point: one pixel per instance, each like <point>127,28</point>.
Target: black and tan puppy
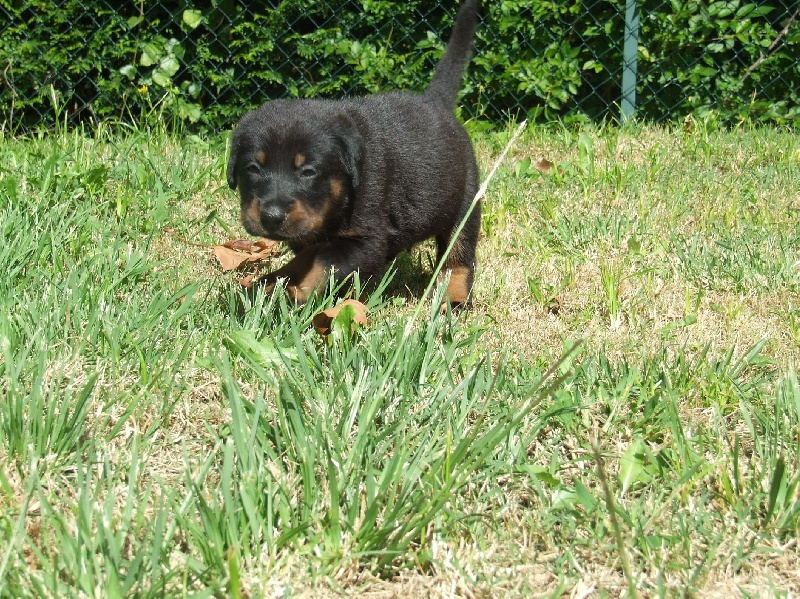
<point>350,184</point>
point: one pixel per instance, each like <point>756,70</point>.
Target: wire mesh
<point>204,63</point>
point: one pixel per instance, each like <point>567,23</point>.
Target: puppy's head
<point>296,165</point>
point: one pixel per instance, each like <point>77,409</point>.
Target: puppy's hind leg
<point>459,264</point>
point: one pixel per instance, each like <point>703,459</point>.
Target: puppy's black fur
<point>349,184</point>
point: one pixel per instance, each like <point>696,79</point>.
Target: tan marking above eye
<point>261,157</point>
<point>299,159</point>
<point>351,234</point>
<point>336,189</point>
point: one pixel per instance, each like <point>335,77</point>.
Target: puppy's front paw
<point>301,278</point>
<point>267,283</point>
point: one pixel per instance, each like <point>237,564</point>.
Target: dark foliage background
<point>204,63</point>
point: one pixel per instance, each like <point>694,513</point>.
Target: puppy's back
<point>422,166</point>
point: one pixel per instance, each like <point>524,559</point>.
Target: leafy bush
<point>707,57</point>
<point>208,61</point>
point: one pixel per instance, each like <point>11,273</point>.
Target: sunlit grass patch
<point>163,431</point>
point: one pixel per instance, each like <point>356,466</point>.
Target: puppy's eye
<point>253,168</point>
<point>308,172</point>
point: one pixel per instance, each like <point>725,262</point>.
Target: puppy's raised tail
<point>446,81</point>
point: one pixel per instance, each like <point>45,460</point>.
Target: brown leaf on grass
<point>543,165</point>
<point>251,246</point>
<point>323,322</point>
<point>229,259</point>
<point>233,254</point>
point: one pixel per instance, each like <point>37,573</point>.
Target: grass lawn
<point>163,433</point>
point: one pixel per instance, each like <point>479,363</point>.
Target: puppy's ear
<point>352,148</point>
<point>232,160</point>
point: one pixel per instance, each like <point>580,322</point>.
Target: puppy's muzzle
<point>273,215</point>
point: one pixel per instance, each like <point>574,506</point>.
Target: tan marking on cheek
<point>458,287</point>
<point>261,157</point>
<point>337,188</point>
<point>303,218</point>
<point>333,201</point>
<point>297,213</point>
<point>299,159</point>
<point>252,215</point>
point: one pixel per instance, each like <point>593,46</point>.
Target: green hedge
<point>206,62</point>
<point>700,54</point>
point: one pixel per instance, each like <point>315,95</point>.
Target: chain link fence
<point>204,63</point>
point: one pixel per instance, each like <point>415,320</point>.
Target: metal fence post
<point>629,55</point>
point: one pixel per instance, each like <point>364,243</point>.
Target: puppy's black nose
<point>272,217</point>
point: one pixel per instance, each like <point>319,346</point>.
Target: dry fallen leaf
<point>543,166</point>
<point>251,246</point>
<point>233,254</point>
<point>323,322</point>
<point>228,258</point>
